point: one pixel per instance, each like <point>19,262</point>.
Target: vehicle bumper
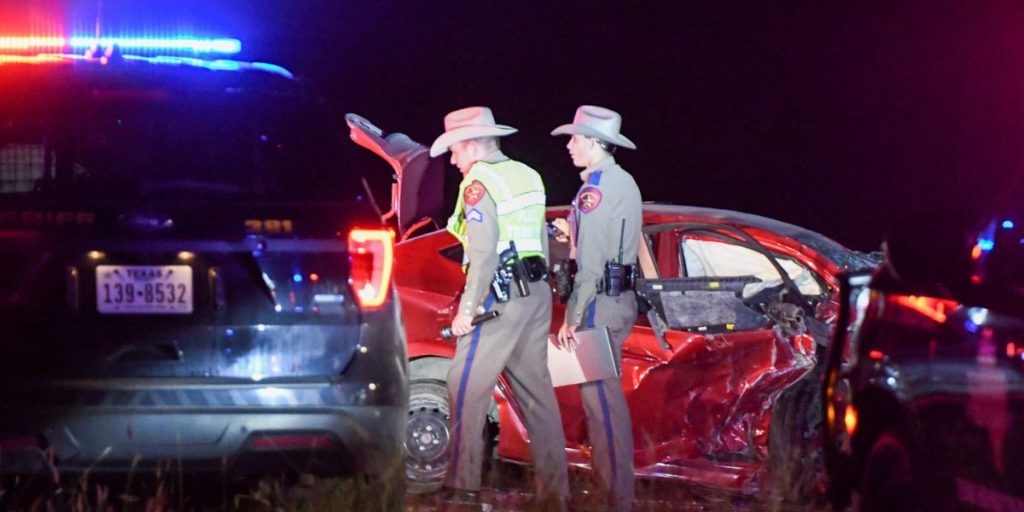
<point>322,429</point>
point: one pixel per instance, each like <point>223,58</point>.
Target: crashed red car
<point>719,371</point>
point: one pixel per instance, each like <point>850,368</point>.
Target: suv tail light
<point>371,254</point>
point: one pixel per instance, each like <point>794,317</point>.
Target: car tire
<point>887,483</point>
<point>427,437</point>
<point>795,450</point>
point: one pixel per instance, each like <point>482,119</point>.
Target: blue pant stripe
<point>605,411</point>
<point>608,431</point>
<point>462,388</point>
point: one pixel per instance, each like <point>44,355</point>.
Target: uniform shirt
<point>482,234</point>
<point>608,196</point>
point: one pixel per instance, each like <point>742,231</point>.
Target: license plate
<point>144,289</point>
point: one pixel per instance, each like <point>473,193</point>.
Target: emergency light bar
<point>31,43</point>
<point>223,46</point>
<point>181,44</point>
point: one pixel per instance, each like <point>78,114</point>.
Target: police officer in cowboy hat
<point>501,201</point>
<point>605,221</point>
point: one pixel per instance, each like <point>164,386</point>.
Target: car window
<point>116,144</point>
<point>710,258</point>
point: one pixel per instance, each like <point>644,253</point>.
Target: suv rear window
<point>110,142</point>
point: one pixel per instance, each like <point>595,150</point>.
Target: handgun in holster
<point>510,270</point>
<point>564,272</point>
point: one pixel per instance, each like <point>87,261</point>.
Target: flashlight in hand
<point>446,331</point>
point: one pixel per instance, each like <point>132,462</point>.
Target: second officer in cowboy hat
<point>500,205</point>
<point>605,221</point>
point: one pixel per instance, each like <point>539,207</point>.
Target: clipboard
<point>591,360</point>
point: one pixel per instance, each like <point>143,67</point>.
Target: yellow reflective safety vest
<point>518,193</point>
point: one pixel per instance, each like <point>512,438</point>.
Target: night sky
<point>843,118</point>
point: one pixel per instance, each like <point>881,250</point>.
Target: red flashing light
<point>876,355</point>
<point>35,44</point>
<point>930,307</point>
<point>371,255</point>
<point>850,420</point>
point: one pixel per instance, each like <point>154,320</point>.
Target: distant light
<point>314,277</point>
<point>970,326</point>
<point>186,255</point>
<point>986,244</point>
<point>978,315</point>
<point>297,278</point>
<point>299,309</point>
<point>278,308</point>
<point>261,327</point>
<point>96,255</point>
<point>1008,224</point>
<point>229,332</point>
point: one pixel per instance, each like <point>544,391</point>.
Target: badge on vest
<point>473,193</point>
<point>589,199</point>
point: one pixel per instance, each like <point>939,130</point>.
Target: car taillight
<point>371,254</point>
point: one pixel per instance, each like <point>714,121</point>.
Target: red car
<point>719,371</point>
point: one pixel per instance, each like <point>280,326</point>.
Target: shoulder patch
<point>473,193</point>
<point>589,199</point>
<point>594,178</point>
<point>474,215</point>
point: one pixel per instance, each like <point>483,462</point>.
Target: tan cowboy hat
<point>465,124</point>
<point>598,122</point>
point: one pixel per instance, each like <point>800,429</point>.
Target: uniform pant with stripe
<point>514,343</point>
<point>608,421</point>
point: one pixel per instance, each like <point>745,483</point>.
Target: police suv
<point>188,273</point>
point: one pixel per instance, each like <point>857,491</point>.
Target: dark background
<point>845,118</point>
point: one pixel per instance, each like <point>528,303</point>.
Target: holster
<point>564,273</point>
<point>534,269</point>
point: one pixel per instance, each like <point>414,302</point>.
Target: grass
<point>508,487</point>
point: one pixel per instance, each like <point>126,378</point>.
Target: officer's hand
<point>462,325</point>
<point>567,337</point>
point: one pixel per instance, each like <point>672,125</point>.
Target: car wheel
<point>427,437</point>
<point>887,483</point>
<point>796,459</point>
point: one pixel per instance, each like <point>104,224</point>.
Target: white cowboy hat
<point>465,124</point>
<point>598,122</point>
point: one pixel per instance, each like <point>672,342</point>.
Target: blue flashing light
<point>297,278</point>
<point>225,46</point>
<point>1008,224</point>
<point>970,326</point>
<point>986,244</point>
